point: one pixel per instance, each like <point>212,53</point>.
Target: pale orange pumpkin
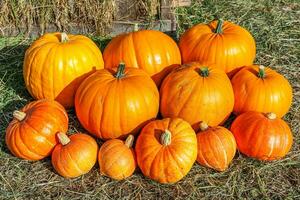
<point>117,158</point>
<point>261,89</point>
<point>166,149</point>
<point>56,63</point>
<point>74,155</point>
<point>216,147</point>
<point>115,103</point>
<point>150,50</point>
<point>226,44</point>
<point>31,133</point>
<point>197,92</point>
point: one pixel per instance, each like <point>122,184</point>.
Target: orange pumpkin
<point>112,104</point>
<point>262,136</point>
<point>227,45</point>
<point>31,134</point>
<point>197,92</point>
<point>74,155</point>
<point>117,158</point>
<point>216,147</point>
<point>166,149</point>
<point>57,63</point>
<point>261,89</point>
<point>150,50</point>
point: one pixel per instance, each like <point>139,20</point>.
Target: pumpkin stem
<point>120,70</point>
<point>219,26</point>
<point>204,72</point>
<point>19,115</point>
<point>165,138</point>
<point>63,138</point>
<point>129,141</point>
<point>271,115</point>
<point>135,27</point>
<point>203,126</point>
<point>261,72</point>
<point>64,38</point>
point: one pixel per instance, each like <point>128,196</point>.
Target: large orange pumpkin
<point>31,134</point>
<point>197,92</point>
<point>166,149</point>
<point>150,50</point>
<point>117,158</point>
<point>262,136</point>
<point>56,63</point>
<point>261,89</point>
<point>74,155</point>
<point>227,45</point>
<point>115,103</point>
<point>216,147</point>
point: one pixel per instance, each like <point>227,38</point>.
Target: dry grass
<point>275,26</point>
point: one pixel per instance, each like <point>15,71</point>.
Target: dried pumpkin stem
<point>63,138</point>
<point>219,26</point>
<point>64,38</point>
<point>165,138</point>
<point>203,126</point>
<point>204,72</point>
<point>129,141</point>
<point>271,115</point>
<point>120,71</point>
<point>261,72</point>
<point>19,115</point>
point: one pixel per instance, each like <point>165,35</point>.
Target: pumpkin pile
<point>195,86</point>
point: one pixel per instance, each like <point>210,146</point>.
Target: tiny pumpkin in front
<point>74,155</point>
<point>31,133</point>
<point>117,158</point>
<point>166,149</point>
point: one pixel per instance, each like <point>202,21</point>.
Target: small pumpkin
<point>197,92</point>
<point>261,89</point>
<point>31,133</point>
<point>56,63</point>
<point>74,155</point>
<point>216,147</point>
<point>226,44</point>
<point>262,136</point>
<point>117,158</point>
<point>150,50</point>
<point>115,103</point>
<point>166,149</point>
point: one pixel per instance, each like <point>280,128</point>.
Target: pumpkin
<point>74,155</point>
<point>261,89</point>
<point>56,63</point>
<point>216,147</point>
<point>150,50</point>
<point>31,133</point>
<point>226,44</point>
<point>197,92</point>
<point>118,102</point>
<point>166,149</point>
<point>117,158</point>
<point>262,136</point>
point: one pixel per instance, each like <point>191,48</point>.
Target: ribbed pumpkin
<point>115,103</point>
<point>117,158</point>
<point>150,50</point>
<point>74,155</point>
<point>197,92</point>
<point>227,45</point>
<point>262,136</point>
<point>216,147</point>
<point>31,134</point>
<point>166,149</point>
<point>261,89</point>
<point>56,63</point>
